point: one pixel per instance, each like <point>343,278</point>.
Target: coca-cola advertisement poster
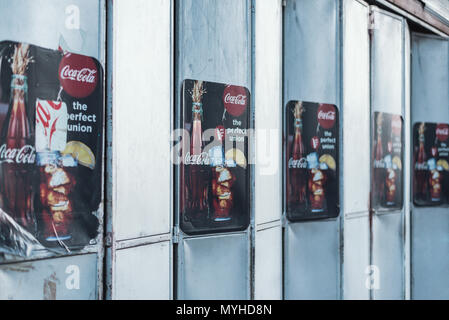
<point>214,171</point>
<point>387,162</point>
<point>311,169</point>
<point>51,124</point>
<point>430,164</point>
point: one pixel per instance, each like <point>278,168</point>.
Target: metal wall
<point>77,26</point>
<point>213,43</point>
<point>139,260</point>
<point>430,225</point>
<point>312,73</point>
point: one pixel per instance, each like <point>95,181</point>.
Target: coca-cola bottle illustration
<point>17,153</point>
<point>379,164</point>
<point>222,182</point>
<point>421,168</point>
<point>435,175</point>
<point>297,166</point>
<point>197,206</point>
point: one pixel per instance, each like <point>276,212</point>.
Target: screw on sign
<point>78,75</point>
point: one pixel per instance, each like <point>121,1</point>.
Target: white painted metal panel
<point>356,257</point>
<point>356,108</point>
<point>68,278</point>
<point>430,226</point>
<point>141,118</point>
<point>216,267</point>
<point>388,256</point>
<point>268,112</point>
<point>75,25</point>
<point>144,272</point>
<point>268,261</point>
<point>311,73</point>
<point>356,151</point>
<point>387,95</point>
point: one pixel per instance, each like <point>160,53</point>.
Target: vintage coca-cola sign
<point>78,75</point>
<point>50,149</point>
<point>387,161</point>
<point>311,184</point>
<point>431,164</point>
<point>213,178</point>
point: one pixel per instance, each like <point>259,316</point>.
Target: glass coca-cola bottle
<point>18,156</point>
<point>198,161</point>
<point>421,168</point>
<point>435,176</point>
<point>297,166</point>
<point>222,181</point>
<point>379,164</point>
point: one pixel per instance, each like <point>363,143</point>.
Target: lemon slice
<point>443,163</point>
<point>329,160</point>
<point>81,152</point>
<point>237,156</point>
<point>397,161</point>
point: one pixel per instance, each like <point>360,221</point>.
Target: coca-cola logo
<point>23,155</point>
<point>78,75</point>
<point>235,100</point>
<point>297,163</point>
<point>442,132</point>
<point>421,166</point>
<point>197,159</point>
<point>327,115</point>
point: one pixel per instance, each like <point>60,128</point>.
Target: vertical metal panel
<point>311,265</point>
<point>268,262</point>
<point>311,51</point>
<point>268,112</point>
<point>387,95</point>
<point>407,160</point>
<point>356,107</point>
<point>356,129</point>
<point>143,272</point>
<point>213,43</point>
<point>268,176</point>
<point>48,23</point>
<point>356,256</point>
<point>140,109</point>
<point>430,236</point>
<point>142,118</point>
<point>67,278</point>
<point>214,267</point>
<point>388,255</point>
<point>311,73</point>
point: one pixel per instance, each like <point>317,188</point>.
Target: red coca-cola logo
<point>78,75</point>
<point>442,132</point>
<point>326,115</point>
<point>235,100</point>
